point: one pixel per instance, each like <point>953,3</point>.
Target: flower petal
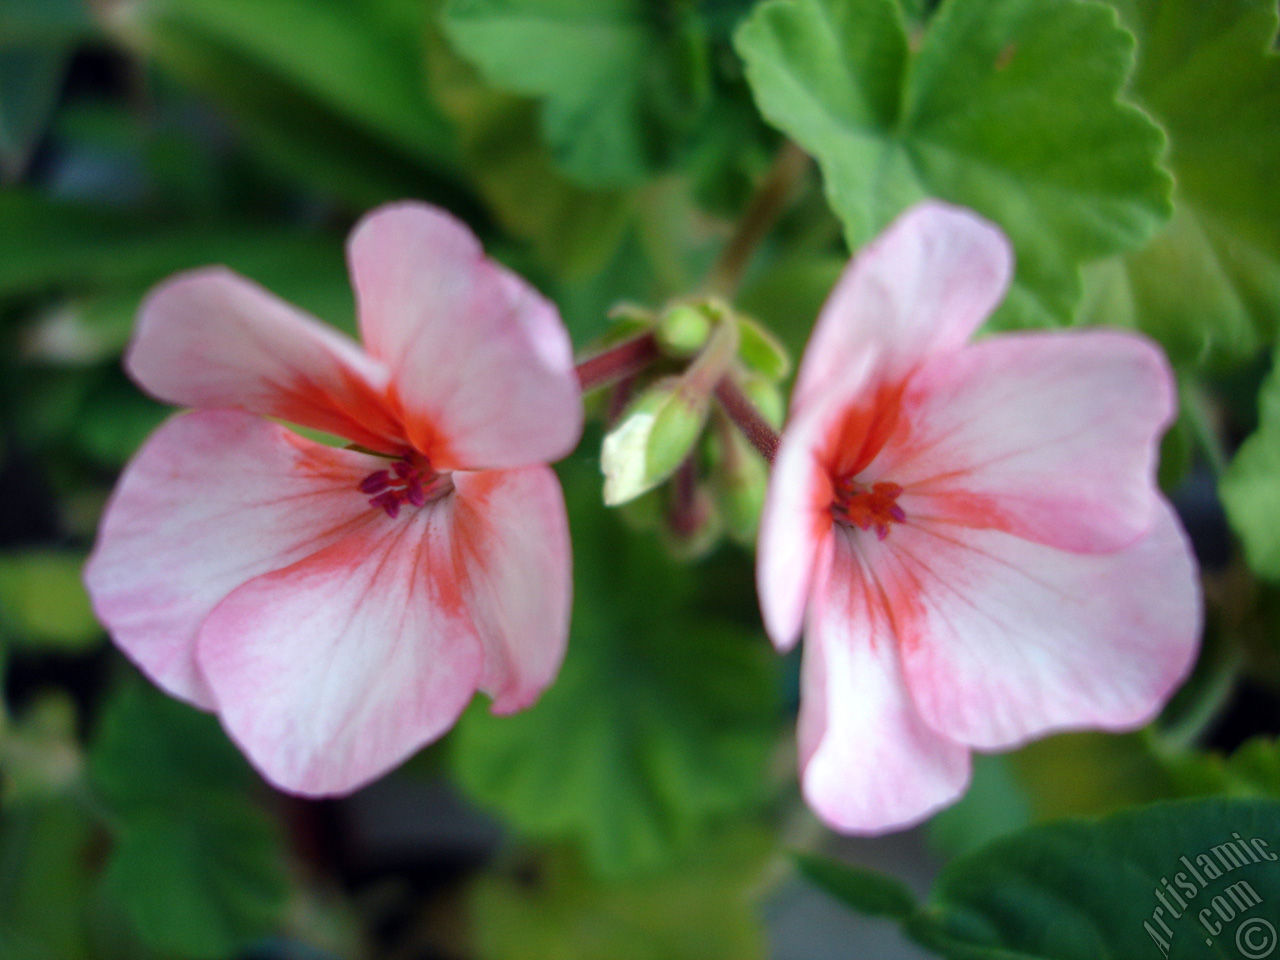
<point>482,363</point>
<point>334,670</point>
<point>1005,640</point>
<point>213,499</point>
<point>795,522</point>
<point>213,339</point>
<point>869,763</point>
<point>1049,436</point>
<point>513,542</point>
<point>921,288</point>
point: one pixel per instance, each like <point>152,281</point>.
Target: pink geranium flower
<point>338,609</point>
<point>969,534</point>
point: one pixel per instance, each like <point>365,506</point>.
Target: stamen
<point>389,501</point>
<point>414,483</point>
<point>375,482</point>
<point>867,508</point>
<point>414,493</point>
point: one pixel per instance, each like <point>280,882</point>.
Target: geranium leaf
<point>1208,286</point>
<point>1008,107</point>
<point>661,722</point>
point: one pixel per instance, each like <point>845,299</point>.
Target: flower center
<point>876,506</point>
<point>409,480</point>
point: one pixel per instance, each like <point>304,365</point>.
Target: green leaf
<point>197,868</point>
<point>30,80</point>
<point>1079,890</point>
<point>867,891</point>
<point>60,245</point>
<point>622,83</point>
<point>44,859</point>
<point>660,724</point>
<point>200,886</point>
<point>1008,107</point>
<point>560,911</point>
<point>39,22</point>
<point>309,141</point>
<point>1208,286</point>
<point>573,229</point>
<point>44,603</point>
<point>1250,487</point>
<point>1170,879</point>
<point>361,60</point>
<point>1253,770</point>
<point>152,752</point>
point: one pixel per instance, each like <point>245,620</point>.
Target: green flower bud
<point>683,330</point>
<point>767,398</point>
<point>761,351</point>
<point>654,436</point>
<point>676,427</point>
<point>741,477</point>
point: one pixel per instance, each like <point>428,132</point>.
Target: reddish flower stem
<point>618,362</point>
<point>767,205</point>
<point>747,418</point>
<point>683,515</point>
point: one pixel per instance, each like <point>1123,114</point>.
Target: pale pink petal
<point>795,522</point>
<point>795,526</point>
<point>869,763</point>
<point>332,671</point>
<point>212,500</point>
<point>212,339</point>
<point>513,544</point>
<point>482,363</point>
<point>1004,639</point>
<point>1050,436</point>
<point>921,288</point>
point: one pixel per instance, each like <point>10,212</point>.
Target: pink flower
<point>335,608</point>
<point>970,534</point>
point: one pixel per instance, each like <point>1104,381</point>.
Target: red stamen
<point>389,501</point>
<point>414,493</point>
<point>414,483</point>
<point>868,508</point>
<point>375,482</point>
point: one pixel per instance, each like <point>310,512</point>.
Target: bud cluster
<point>672,454</point>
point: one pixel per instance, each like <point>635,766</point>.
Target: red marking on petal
<point>862,431</point>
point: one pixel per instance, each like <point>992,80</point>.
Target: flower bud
<point>741,478</point>
<point>651,440</point>
<point>767,398</point>
<point>683,330</point>
<point>761,351</point>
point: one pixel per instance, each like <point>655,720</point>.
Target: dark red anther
<point>388,501</point>
<point>414,493</point>
<point>375,482</point>
<point>409,480</point>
